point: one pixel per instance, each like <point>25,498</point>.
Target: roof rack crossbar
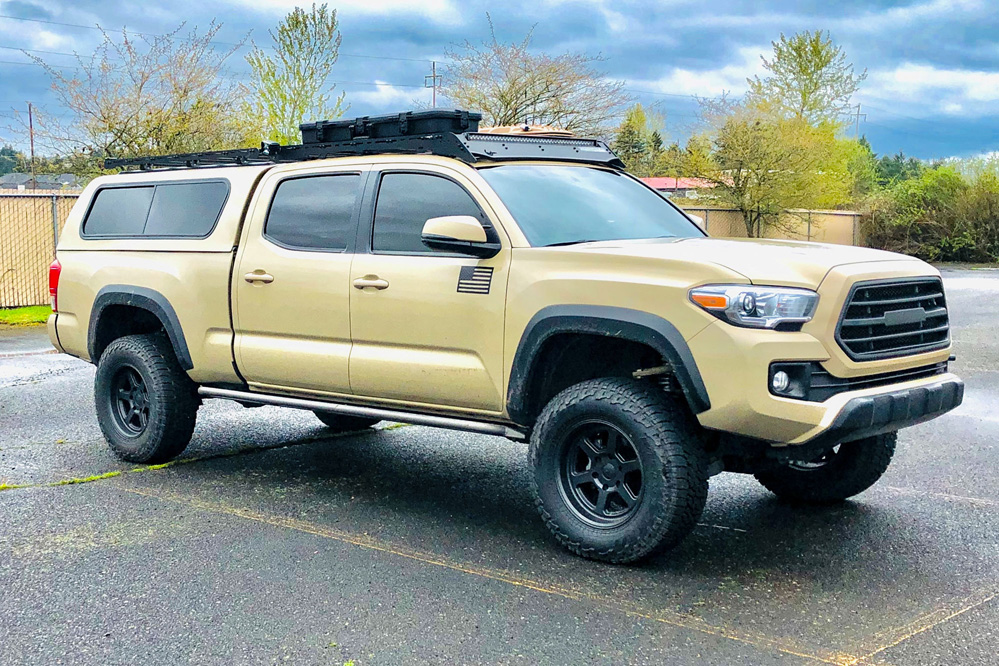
<point>467,146</point>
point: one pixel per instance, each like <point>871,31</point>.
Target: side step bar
<point>367,412</point>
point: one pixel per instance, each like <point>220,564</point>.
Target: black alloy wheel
<point>130,401</point>
<point>601,474</point>
<point>146,404</point>
<point>620,469</point>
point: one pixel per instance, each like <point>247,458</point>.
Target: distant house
<point>686,188</point>
<point>22,181</point>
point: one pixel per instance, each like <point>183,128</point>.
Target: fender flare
<point>145,299</point>
<point>609,321</point>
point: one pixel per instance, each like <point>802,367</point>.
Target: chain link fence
<point>29,227</point>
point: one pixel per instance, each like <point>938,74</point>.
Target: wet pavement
<point>271,541</point>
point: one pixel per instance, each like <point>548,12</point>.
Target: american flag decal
<point>475,279</point>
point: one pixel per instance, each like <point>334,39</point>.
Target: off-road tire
<point>171,399</point>
<point>341,423</point>
<point>665,438</point>
<point>854,468</point>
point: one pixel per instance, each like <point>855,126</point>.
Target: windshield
<point>560,205</point>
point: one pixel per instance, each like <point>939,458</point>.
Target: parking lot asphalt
<point>271,541</point>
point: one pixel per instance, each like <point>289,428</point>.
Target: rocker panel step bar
<point>367,412</point>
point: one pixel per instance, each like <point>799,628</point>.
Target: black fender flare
<point>610,321</point>
<point>146,299</point>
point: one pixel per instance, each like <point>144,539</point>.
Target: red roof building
<point>681,187</point>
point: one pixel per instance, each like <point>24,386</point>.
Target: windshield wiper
<point>604,240</point>
<point>575,242</point>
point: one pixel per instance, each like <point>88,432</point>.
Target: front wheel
<point>619,469</point>
<point>844,471</point>
<point>146,404</point>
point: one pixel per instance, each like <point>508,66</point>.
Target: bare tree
<point>511,85</point>
<point>143,95</point>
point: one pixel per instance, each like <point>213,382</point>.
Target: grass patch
<point>34,314</point>
<point>85,479</point>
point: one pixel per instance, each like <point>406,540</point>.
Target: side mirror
<point>459,233</point>
<point>697,219</point>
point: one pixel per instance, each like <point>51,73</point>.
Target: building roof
<point>42,181</point>
<point>672,183</point>
<point>15,178</point>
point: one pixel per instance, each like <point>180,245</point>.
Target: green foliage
<point>292,86</point>
<point>10,159</point>
<point>764,164</point>
<point>938,215</point>
<point>898,167</point>
<point>863,166</point>
<point>809,79</point>
<point>638,141</point>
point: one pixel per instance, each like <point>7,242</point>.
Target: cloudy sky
<point>933,65</point>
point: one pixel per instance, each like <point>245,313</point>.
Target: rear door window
<point>314,212</point>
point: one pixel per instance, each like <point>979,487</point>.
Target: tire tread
<point>678,443</point>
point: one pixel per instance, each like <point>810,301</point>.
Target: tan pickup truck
<point>415,270</point>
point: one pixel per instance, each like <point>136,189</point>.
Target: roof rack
<point>445,133</point>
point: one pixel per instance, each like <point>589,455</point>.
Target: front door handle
<point>259,276</point>
<point>371,281</point>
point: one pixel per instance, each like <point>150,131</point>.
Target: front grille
<point>888,318</point>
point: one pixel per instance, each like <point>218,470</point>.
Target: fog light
<point>780,381</point>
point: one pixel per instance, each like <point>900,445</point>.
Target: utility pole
<point>433,80</point>
<point>31,134</point>
<point>856,126</point>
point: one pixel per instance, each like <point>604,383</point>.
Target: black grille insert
<point>888,318</point>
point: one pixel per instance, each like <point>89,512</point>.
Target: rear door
<point>292,280</point>
<point>427,326</point>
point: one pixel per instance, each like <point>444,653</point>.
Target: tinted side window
<point>314,212</point>
<point>406,201</point>
<point>186,209</point>
<point>119,211</point>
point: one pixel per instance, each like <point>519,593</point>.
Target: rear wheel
<point>341,423</point>
<point>619,469</point>
<point>841,472</point>
<point>146,404</point>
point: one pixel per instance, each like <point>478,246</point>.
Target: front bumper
<point>886,412</point>
<point>735,366</point>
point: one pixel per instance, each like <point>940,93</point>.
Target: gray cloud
<point>931,59</point>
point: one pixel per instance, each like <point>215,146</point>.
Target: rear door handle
<point>371,281</point>
<point>259,276</point>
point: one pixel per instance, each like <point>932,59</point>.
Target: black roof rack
<point>445,133</point>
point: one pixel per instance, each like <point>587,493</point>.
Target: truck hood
<point>761,261</point>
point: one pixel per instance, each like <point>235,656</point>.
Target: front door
<point>292,281</point>
<point>427,326</point>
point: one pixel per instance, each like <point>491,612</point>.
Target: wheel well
<point>566,359</point>
<point>117,321</point>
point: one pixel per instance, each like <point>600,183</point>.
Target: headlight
<point>783,308</point>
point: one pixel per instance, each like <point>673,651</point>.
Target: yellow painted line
<point>892,637</point>
<point>681,620</point>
